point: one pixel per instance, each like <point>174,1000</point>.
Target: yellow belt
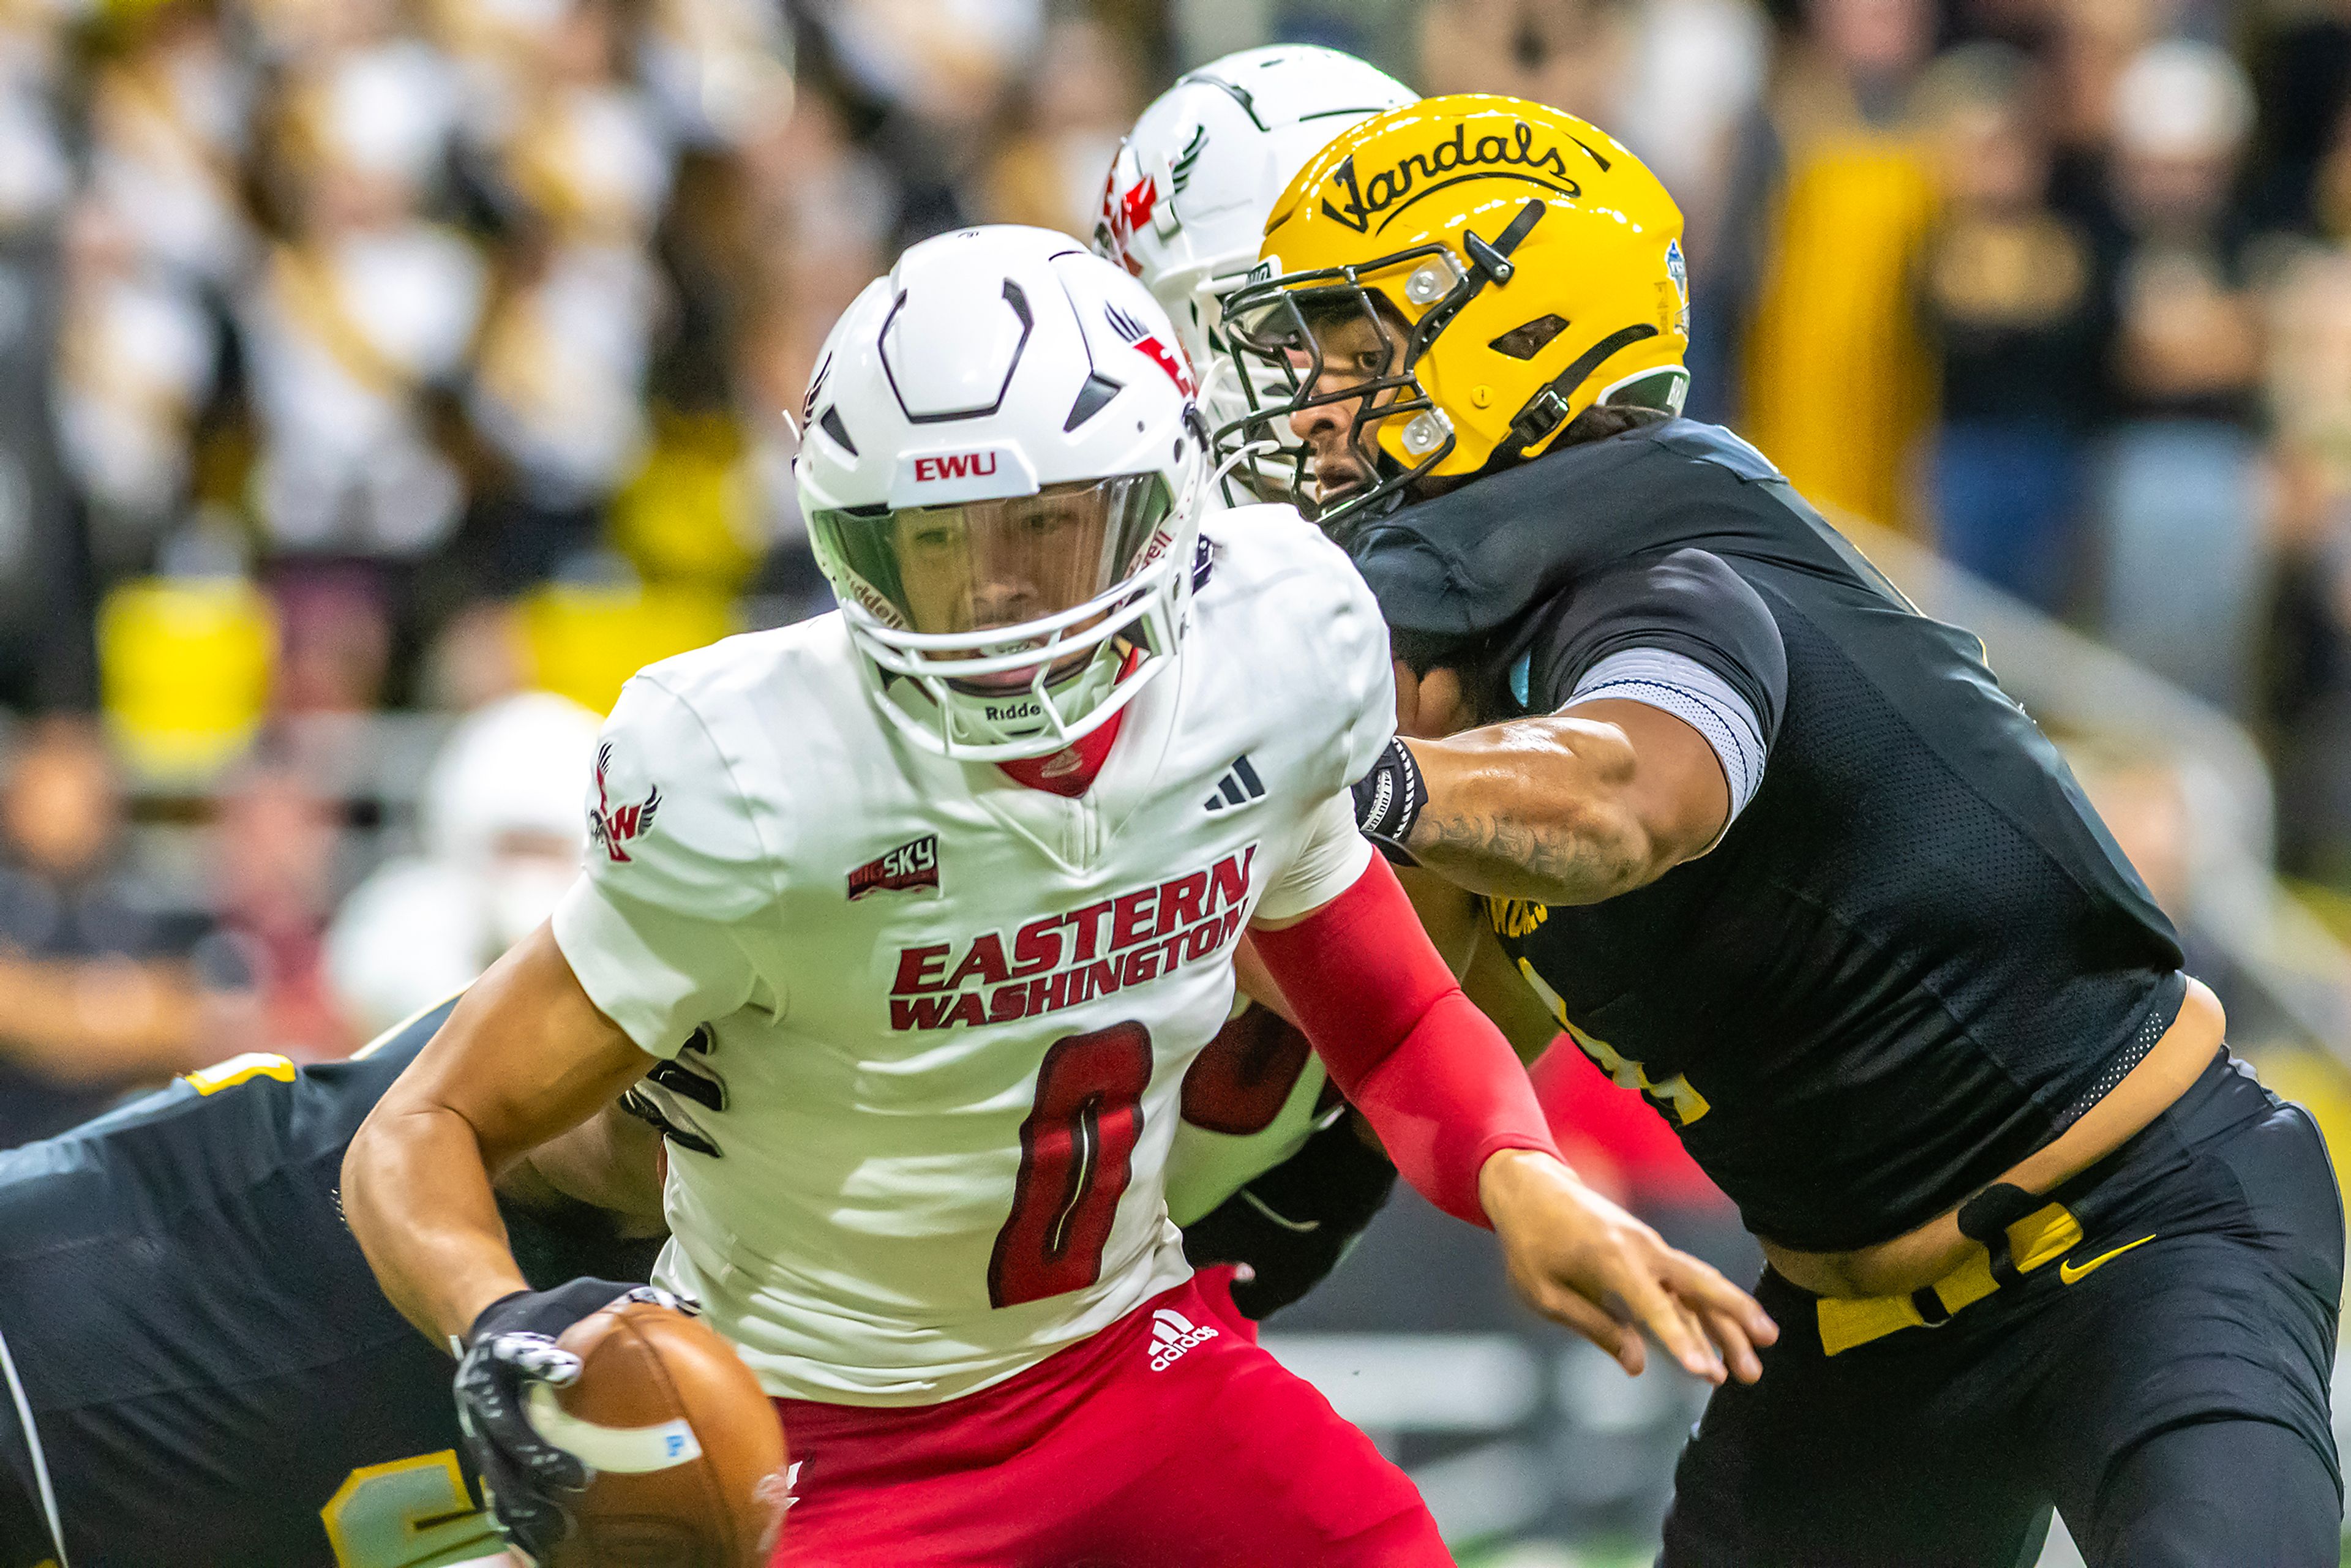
<point>2034,1241</point>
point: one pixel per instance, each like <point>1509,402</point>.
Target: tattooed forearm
<point>1556,862</point>
<point>1557,809</point>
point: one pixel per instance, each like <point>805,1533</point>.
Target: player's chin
<point>1334,485</point>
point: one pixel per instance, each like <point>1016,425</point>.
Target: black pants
<point>2170,1401</point>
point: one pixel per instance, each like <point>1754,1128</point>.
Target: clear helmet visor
<point>1012,565</point>
<point>1012,618</point>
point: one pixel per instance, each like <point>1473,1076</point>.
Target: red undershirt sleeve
<point>1436,1081</point>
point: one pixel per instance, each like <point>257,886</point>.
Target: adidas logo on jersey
<point>1238,787</point>
<point>1173,1333</point>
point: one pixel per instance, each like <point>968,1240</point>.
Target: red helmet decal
<point>1172,360</point>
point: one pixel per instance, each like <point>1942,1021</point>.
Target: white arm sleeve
<point>675,862</point>
<point>1326,866</point>
<point>1680,686</point>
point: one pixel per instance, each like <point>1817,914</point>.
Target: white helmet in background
<point>502,803</point>
<point>1002,475</point>
<point>501,830</point>
<point>1196,178</point>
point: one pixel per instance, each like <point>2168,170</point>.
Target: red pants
<point>1145,1446</point>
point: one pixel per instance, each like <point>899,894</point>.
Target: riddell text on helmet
<point>1065,960</point>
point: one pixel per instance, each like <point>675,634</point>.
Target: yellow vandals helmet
<point>1519,264</point>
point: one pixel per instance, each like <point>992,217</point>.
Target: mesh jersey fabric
<point>1914,956</point>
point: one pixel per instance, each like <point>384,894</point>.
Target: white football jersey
<point>1231,1132</point>
<point>934,1022</point>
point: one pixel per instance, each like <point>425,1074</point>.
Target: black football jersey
<point>1916,956</point>
<point>214,1376</point>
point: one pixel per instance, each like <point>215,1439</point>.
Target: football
<point>685,1453</point>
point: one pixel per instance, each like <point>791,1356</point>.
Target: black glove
<point>1293,1224</point>
<point>1388,801</point>
<point>511,1346</point>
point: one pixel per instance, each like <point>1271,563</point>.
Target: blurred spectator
<point>1084,98</point>
<point>2010,290</point>
<point>1675,80</point>
<point>135,361</point>
<point>273,865</point>
<point>2307,691</point>
<point>721,70</point>
<point>2089,45</point>
<point>823,211</point>
<point>482,654</point>
<point>1698,72</point>
<point>1834,202</point>
<point>334,640</point>
<point>34,175</point>
<point>584,165</point>
<point>500,828</point>
<point>2304,77</point>
<point>936,73</point>
<point>365,308</point>
<point>102,988</point>
<point>2182,557</point>
<point>1574,55</point>
<point>170,132</point>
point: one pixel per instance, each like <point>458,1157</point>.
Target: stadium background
<point>365,362</point>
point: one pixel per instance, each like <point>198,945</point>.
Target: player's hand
<point>1582,1261</point>
<point>511,1346</point>
<point>1430,706</point>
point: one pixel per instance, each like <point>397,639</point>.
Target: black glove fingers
<point>511,1349</point>
<point>535,1525</point>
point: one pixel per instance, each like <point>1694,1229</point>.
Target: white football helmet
<point>1196,178</point>
<point>1002,474</point>
<point>502,804</point>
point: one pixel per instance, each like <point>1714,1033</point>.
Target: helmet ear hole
<point>1662,390</point>
<point>1526,340</point>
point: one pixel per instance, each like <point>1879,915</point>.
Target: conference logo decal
<point>913,864</point>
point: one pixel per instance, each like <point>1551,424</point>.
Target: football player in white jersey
<point>944,887</point>
<point>1184,210</point>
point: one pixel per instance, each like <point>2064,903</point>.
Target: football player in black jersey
<point>1777,850</point>
<point>200,1372</point>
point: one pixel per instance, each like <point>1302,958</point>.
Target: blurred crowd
<point>381,376</point>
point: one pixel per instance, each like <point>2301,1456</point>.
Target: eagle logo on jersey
<point>1169,360</point>
<point>612,827</point>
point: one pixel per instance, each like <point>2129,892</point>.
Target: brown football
<point>686,1452</point>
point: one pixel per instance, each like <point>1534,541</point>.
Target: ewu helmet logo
<point>1173,1333</point>
<point>1160,354</point>
<point>1387,194</point>
<point>913,864</point>
<point>610,826</point>
<point>955,466</point>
